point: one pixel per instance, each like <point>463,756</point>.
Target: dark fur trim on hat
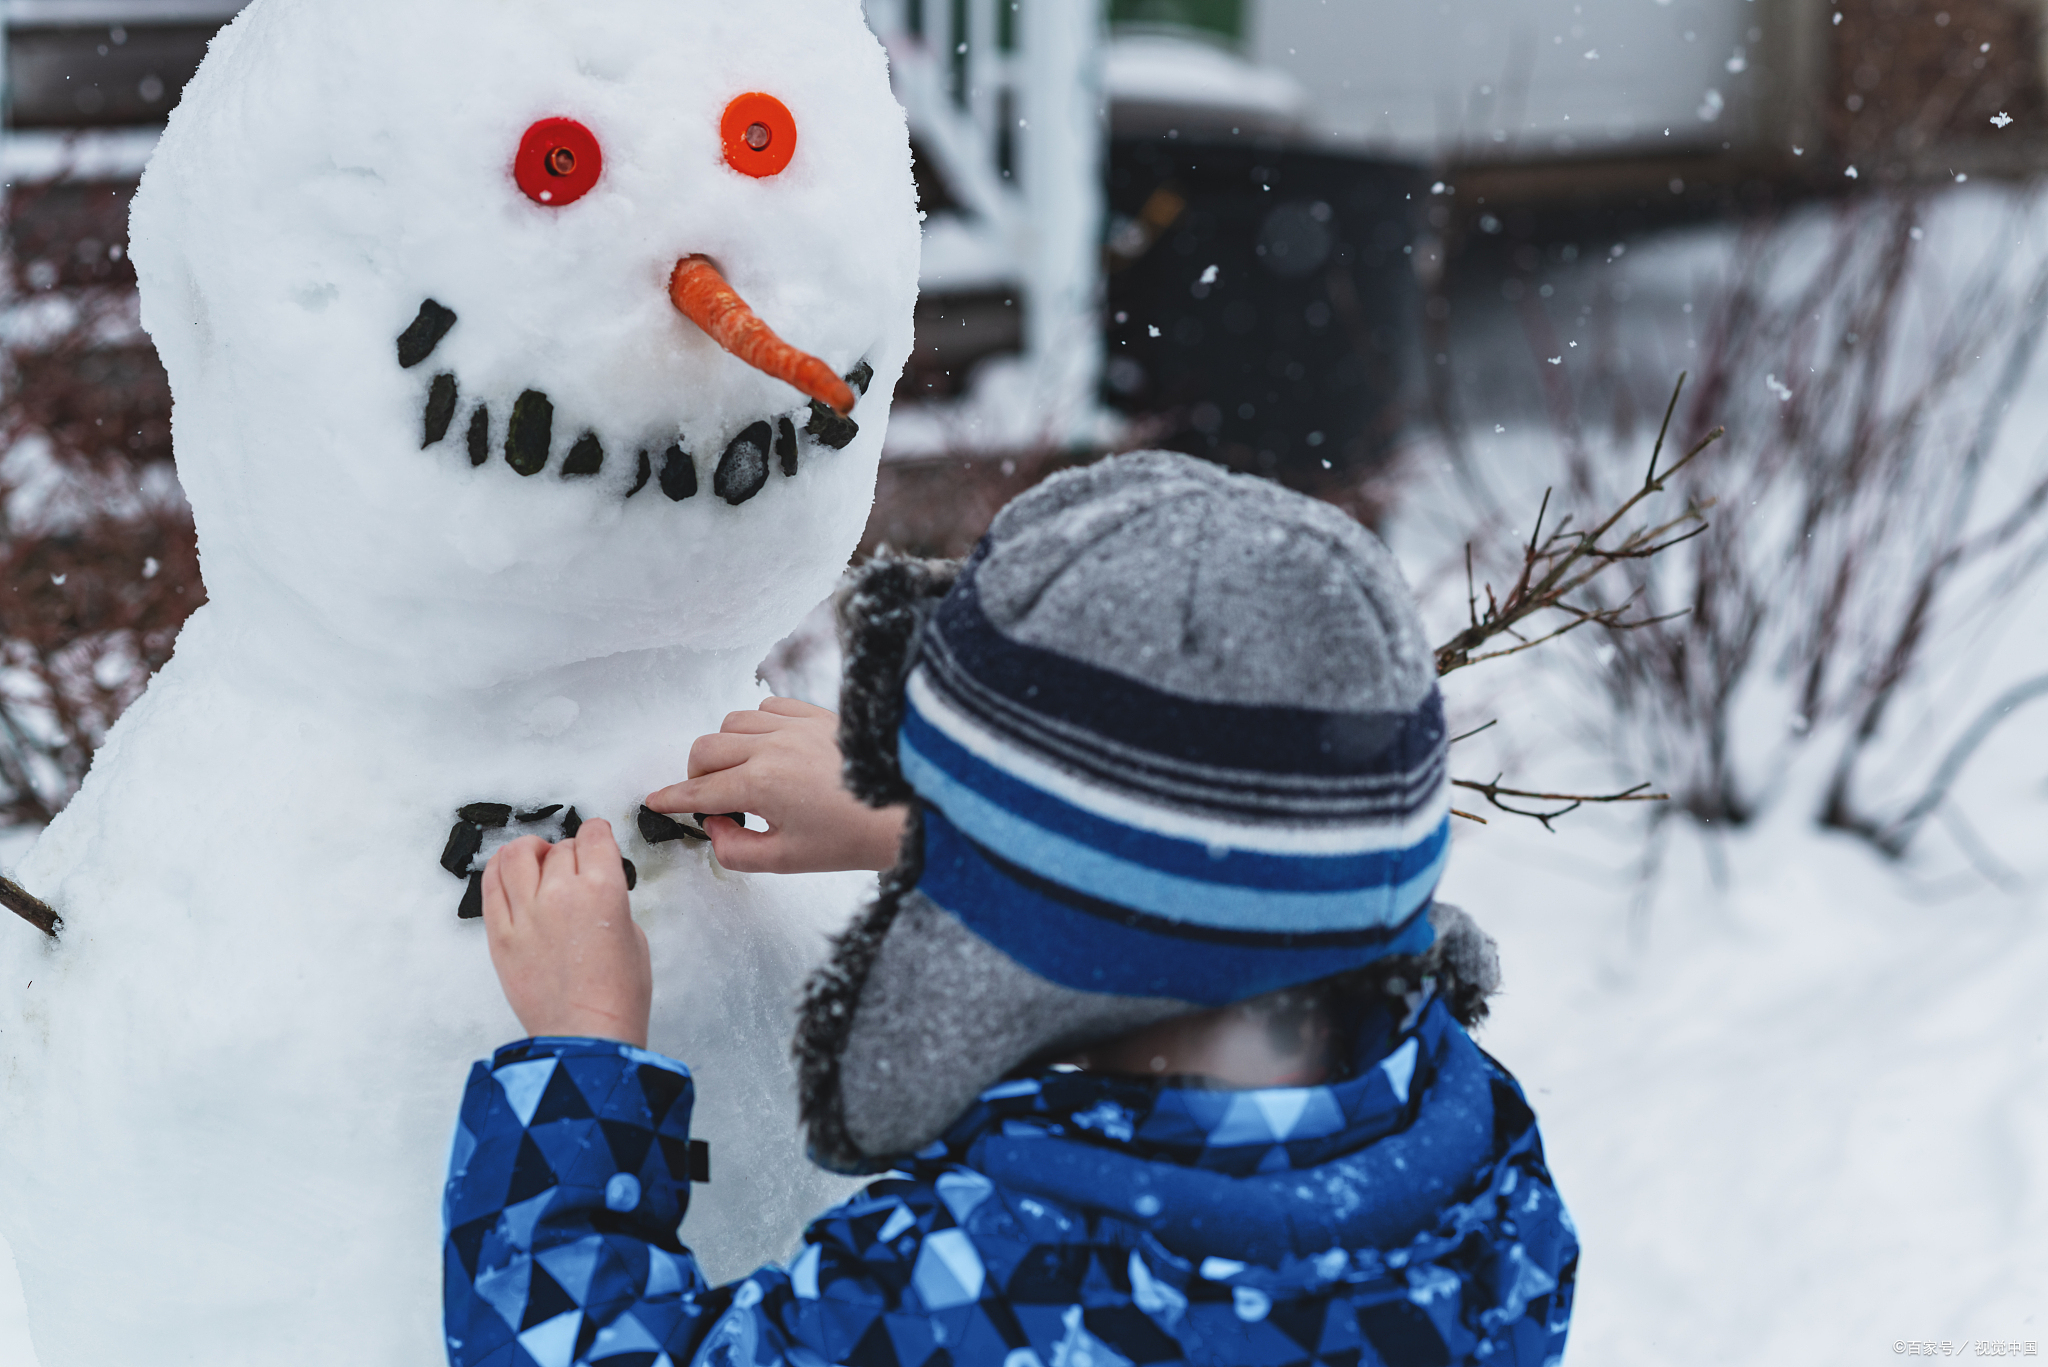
<point>1464,964</point>
<point>882,612</point>
<point>825,1018</point>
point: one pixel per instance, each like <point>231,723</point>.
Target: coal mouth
<point>526,436</point>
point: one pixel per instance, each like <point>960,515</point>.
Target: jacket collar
<point>1265,1176</point>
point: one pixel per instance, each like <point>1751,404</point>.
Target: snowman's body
<point>229,1085</point>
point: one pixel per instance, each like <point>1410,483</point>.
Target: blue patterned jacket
<point>1403,1216</point>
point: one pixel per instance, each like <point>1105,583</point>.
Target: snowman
<point>531,362</point>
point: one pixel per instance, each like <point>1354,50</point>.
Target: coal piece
<point>646,473</point>
<point>700,1161</point>
<point>829,428</point>
<point>632,874</point>
<point>472,907</point>
<point>786,446</point>
<point>860,377</point>
<point>678,474</point>
<point>539,814</point>
<point>657,829</point>
<point>586,457</point>
<point>571,823</point>
<point>531,432</point>
<point>490,815</point>
<point>418,341</point>
<point>440,409</point>
<point>463,843</point>
<point>480,435</point>
<point>743,469</point>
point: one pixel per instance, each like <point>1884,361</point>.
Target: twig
<point>1665,429</point>
<point>1474,731</point>
<point>1469,817</point>
<point>1565,561</point>
<point>1609,618</point>
<point>33,910</point>
<point>1493,793</point>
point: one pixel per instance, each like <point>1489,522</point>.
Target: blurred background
<point>1428,260</point>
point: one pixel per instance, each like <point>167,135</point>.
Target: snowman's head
<point>409,265</point>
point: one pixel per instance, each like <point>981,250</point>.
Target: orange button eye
<point>759,135</point>
<point>558,162</point>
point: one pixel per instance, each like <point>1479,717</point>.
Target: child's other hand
<point>782,763</point>
<point>562,937</point>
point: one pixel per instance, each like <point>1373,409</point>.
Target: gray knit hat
<point>1174,740</point>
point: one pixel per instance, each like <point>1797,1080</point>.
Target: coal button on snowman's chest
<point>463,855</point>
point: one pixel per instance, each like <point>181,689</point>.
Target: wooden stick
<point>33,910</point>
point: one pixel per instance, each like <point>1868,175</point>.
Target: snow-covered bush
<point>96,543</point>
<point>1879,509</point>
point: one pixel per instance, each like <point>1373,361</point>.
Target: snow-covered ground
<point>1801,1115</point>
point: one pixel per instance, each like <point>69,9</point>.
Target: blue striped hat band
<point>1115,838</point>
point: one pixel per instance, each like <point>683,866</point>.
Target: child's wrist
<point>884,838</point>
<point>585,1023</point>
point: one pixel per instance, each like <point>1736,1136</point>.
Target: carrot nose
<point>702,295</point>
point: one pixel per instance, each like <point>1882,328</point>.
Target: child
<point>1153,1019</point>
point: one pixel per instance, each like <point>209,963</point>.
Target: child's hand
<point>562,937</point>
<point>783,763</point>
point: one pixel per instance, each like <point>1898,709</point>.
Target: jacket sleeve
<point>569,1176</point>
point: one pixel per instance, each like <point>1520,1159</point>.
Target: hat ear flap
<point>882,614</point>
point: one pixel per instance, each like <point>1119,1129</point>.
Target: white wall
<point>1426,77</point>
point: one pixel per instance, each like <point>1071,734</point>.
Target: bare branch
<point>1493,792</point>
<point>1475,731</point>
<point>33,910</point>
<point>1565,561</point>
<point>1665,429</point>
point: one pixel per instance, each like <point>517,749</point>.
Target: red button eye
<point>759,135</point>
<point>559,162</point>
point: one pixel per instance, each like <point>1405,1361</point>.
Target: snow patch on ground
<point>1797,1117</point>
<point>15,1348</point>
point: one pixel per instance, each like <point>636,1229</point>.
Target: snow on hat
<point>1174,740</point>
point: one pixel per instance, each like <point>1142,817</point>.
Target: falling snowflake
<point>1739,63</point>
<point>1711,105</point>
<point>1557,360</point>
<point>1850,173</point>
<point>2000,119</point>
<point>1592,54</point>
<point>1209,275</point>
<point>1152,329</point>
<point>1779,389</point>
